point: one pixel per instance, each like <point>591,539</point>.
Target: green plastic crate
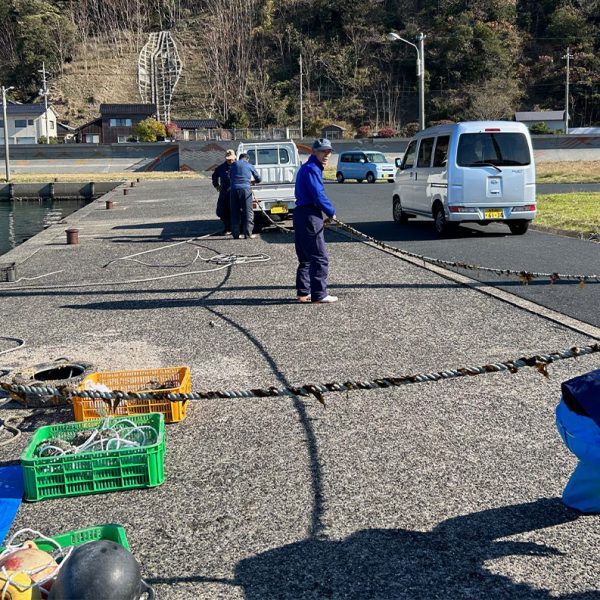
<point>96,471</point>
<point>110,532</point>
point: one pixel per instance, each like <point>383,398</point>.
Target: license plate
<point>493,213</point>
<point>278,209</point>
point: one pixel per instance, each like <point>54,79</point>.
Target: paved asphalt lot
<point>442,490</point>
<point>491,246</point>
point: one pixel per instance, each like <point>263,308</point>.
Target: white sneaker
<point>327,300</point>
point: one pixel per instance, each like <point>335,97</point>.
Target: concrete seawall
<point>204,156</point>
<point>56,190</point>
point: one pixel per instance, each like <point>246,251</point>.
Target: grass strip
<point>578,211</point>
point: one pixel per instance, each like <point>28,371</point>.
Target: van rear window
<point>499,149</point>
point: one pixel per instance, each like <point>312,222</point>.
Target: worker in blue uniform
<point>311,205</point>
<point>578,423</point>
<point>220,181</point>
<point>241,175</point>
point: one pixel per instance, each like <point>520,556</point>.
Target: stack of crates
<point>178,380</point>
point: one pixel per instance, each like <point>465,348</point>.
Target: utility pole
<point>44,92</point>
<point>422,81</point>
<point>6,157</point>
<point>568,56</point>
<point>301,106</point>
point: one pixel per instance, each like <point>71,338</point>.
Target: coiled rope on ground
<point>317,390</point>
<point>219,261</point>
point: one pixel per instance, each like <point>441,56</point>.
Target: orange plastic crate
<point>136,381</point>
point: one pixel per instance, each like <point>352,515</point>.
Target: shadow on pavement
<point>447,562</point>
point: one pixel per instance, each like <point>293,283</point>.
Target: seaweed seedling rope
<point>538,361</point>
<point>523,275</point>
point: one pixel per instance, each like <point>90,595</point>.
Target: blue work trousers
<point>224,209</point>
<point>581,435</point>
<point>241,212</point>
<point>313,261</point>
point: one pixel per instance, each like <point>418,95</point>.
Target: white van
<point>472,172</point>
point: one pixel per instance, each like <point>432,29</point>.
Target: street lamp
<point>393,37</point>
<point>6,158</point>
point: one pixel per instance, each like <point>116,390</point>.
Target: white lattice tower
<point>159,67</point>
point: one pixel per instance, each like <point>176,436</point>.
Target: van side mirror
<point>398,163</point>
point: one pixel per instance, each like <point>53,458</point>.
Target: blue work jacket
<point>220,176</point>
<point>241,174</point>
<point>309,187</point>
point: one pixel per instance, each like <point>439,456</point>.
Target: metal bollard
<point>51,190</point>
<point>72,236</point>
<point>138,179</point>
<point>125,190</point>
<point>11,191</point>
<point>109,204</point>
<point>132,184</point>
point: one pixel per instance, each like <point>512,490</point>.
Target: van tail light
<point>254,206</point>
<point>462,209</point>
<point>529,207</point>
<point>492,129</point>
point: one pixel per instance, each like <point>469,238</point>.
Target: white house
<point>554,119</point>
<point>27,123</point>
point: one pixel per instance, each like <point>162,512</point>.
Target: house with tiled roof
<point>26,123</point>
<point>117,120</point>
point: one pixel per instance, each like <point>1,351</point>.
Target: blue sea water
<point>22,219</point>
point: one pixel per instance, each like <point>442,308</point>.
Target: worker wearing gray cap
<point>311,204</point>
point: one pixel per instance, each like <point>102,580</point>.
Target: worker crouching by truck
<point>311,204</point>
<point>241,175</point>
<point>221,182</point>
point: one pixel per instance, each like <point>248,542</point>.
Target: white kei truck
<point>277,162</point>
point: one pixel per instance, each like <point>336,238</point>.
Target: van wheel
<point>442,227</point>
<point>370,177</point>
<point>518,227</point>
<point>399,215</point>
<point>339,177</point>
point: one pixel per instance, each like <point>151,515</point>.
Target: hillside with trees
<point>484,58</point>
